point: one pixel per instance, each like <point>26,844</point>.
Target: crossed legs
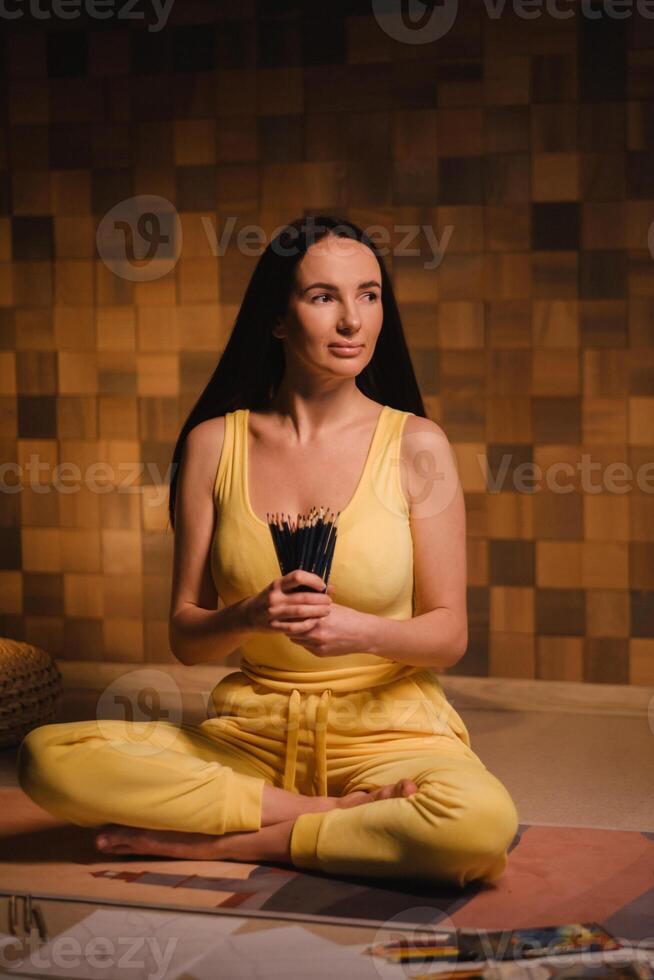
<point>175,792</point>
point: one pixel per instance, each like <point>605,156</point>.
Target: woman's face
<point>336,300</point>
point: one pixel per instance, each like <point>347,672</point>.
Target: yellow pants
<point>209,778</point>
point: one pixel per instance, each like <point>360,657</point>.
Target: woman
<point>334,746</point>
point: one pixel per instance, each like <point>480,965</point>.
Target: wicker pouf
<point>30,689</point>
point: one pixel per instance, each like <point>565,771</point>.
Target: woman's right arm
<point>198,632</point>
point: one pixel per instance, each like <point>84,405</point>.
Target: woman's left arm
<point>437,635</point>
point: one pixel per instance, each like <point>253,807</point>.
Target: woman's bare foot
<point>121,839</point>
<point>403,787</point>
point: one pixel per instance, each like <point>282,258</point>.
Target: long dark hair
<point>252,364</point>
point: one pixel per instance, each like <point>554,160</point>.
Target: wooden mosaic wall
<point>525,146</point>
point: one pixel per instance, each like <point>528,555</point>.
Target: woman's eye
<point>322,295</point>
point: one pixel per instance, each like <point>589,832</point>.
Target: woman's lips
<point>346,351</point>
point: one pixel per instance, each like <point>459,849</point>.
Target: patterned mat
<point>555,875</point>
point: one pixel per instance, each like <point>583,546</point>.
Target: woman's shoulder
<point>417,423</point>
<point>204,444</point>
<point>207,431</point>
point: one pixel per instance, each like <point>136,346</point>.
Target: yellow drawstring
<point>292,736</point>
<point>321,743</point>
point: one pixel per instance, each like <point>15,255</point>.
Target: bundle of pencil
<point>308,542</point>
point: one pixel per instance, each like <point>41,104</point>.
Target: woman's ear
<point>277,328</point>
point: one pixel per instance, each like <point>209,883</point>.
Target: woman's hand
<point>276,603</point>
<point>343,630</point>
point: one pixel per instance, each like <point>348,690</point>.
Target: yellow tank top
<point>372,567</point>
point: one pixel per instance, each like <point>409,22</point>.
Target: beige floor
<point>576,754</point>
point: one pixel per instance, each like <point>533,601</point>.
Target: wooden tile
<point>511,562</point>
<point>511,609</point>
<point>194,142</point>
<point>606,660</point>
<point>555,176</point>
<point>507,179</point>
<point>603,323</point>
<point>554,127</point>
<point>641,321</point>
<point>559,658</point>
<point>509,515</point>
<point>461,277</point>
<point>11,592</point>
<point>115,328</point>
<point>508,324</point>
<point>471,465</point>
<point>605,565</point>
<point>642,612</point>
<point>512,655</point>
<point>604,420</point>
<point>556,420</point>
<point>555,226</point>
<point>555,323</point>
<point>605,373</point>
<point>559,564</point>
<point>641,421</point>
<point>123,639</point>
<point>554,275</point>
<point>507,276</point>
<point>556,371</point>
<point>38,500</point>
<point>641,661</point>
<point>82,636</point>
<point>554,77</point>
<point>122,596</point>
<point>606,517</point>
<point>641,565</point>
<point>459,132</point>
<point>41,549</point>
<point>602,274</point>
<point>506,129</point>
<point>560,612</point>
<point>508,417</point>
<point>460,324</point>
<point>508,227</point>
<point>509,372</point>
<point>43,594</point>
<point>80,550</point>
<point>607,612</point>
<point>156,646</point>
<point>45,632</point>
